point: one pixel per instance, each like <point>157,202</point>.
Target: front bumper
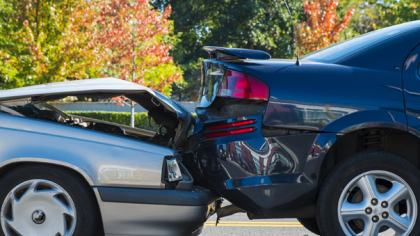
<point>129,212</point>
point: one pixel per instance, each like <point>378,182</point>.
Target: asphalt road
<point>239,225</point>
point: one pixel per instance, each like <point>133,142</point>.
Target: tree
<point>37,44</point>
<point>371,15</point>
<point>322,26</point>
<point>253,24</point>
<point>136,41</point>
<point>46,41</point>
<point>394,12</point>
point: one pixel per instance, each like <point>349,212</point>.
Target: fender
<point>103,159</point>
<point>368,119</point>
<point>350,123</point>
<point>79,170</point>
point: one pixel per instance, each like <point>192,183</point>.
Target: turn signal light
<point>237,84</point>
<point>228,133</point>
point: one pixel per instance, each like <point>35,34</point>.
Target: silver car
<point>63,175</point>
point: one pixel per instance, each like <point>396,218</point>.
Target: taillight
<point>231,125</point>
<point>236,84</point>
<point>228,133</point>
<point>237,124</point>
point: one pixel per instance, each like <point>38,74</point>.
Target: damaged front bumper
<point>180,208</point>
<point>155,212</point>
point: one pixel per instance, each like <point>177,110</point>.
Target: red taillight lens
<point>240,85</point>
<point>227,133</point>
<point>231,125</point>
<point>231,132</point>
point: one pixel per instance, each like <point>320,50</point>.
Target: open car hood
<point>161,108</point>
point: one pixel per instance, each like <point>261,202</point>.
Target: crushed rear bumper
<point>263,175</point>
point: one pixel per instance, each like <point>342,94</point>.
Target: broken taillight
<point>237,84</point>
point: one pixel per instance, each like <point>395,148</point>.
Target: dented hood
<point>156,103</point>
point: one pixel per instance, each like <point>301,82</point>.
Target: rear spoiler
<point>220,53</point>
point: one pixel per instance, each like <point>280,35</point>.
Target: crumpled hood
<point>104,87</point>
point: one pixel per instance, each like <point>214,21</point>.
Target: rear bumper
<point>263,175</point>
<point>154,212</point>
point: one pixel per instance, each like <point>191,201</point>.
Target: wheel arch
<point>395,141</point>
<point>10,165</point>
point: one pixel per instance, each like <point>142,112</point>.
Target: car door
<point>411,86</point>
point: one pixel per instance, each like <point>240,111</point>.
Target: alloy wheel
<point>385,201</point>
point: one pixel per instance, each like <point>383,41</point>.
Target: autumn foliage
<point>132,37</point>
<point>37,44</point>
<point>44,41</point>
<point>322,26</point>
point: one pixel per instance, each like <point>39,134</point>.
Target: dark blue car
<point>333,140</point>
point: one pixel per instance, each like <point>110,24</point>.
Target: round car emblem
<point>38,217</point>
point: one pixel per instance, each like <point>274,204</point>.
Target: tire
<point>47,200</point>
<point>366,192</point>
<point>311,225</point>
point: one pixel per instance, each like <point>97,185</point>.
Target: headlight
<point>174,172</point>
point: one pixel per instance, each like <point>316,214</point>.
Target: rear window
<point>341,50</point>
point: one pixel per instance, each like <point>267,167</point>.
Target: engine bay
<point>47,112</point>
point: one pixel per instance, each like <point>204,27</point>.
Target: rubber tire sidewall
<point>327,205</point>
<point>88,217</point>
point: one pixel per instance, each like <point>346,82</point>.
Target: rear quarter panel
<point>315,96</point>
<point>264,174</point>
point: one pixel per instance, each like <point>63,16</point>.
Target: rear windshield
<point>341,50</point>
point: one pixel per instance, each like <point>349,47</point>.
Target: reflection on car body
<point>295,134</point>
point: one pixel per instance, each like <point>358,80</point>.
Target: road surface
<point>239,225</point>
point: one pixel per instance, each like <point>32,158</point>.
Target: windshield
<point>341,50</point>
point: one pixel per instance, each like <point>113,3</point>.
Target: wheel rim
<point>394,208</point>
<point>38,207</point>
